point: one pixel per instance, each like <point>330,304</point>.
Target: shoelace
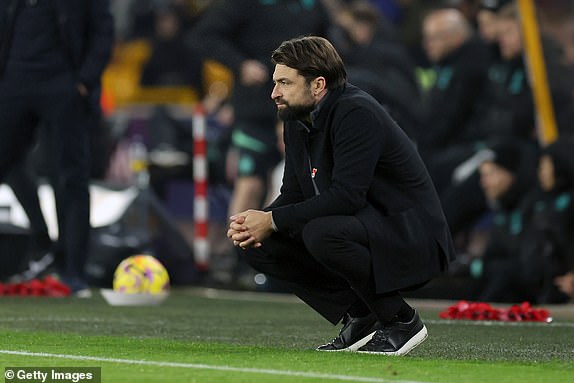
<point>380,336</point>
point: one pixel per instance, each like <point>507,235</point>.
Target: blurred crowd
<point>452,73</point>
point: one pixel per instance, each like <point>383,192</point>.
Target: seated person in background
<point>460,61</point>
<point>506,176</point>
<point>380,64</point>
<point>171,62</point>
<point>547,251</point>
<point>505,110</point>
<point>486,22</point>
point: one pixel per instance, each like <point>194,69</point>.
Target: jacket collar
<point>320,113</point>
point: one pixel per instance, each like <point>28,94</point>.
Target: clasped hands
<point>249,228</point>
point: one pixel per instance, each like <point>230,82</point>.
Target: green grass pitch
<point>201,335</point>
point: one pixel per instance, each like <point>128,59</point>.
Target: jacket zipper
<point>312,171</point>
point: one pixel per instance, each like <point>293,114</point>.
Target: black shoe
<point>397,338</point>
<point>354,334</point>
<point>35,268</point>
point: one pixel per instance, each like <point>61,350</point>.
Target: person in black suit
<point>52,55</point>
<point>358,219</point>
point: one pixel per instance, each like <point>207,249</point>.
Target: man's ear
<point>318,85</point>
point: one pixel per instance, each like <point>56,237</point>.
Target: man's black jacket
<point>354,160</point>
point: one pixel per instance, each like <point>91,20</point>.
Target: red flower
<point>49,287</point>
<point>484,311</point>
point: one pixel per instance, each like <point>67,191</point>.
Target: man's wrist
<point>275,229</point>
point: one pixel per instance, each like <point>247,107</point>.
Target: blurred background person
<point>171,63</point>
<point>547,248</point>
<point>52,56</point>
<point>460,62</point>
<point>140,16</point>
<point>378,62</point>
<point>503,110</point>
<point>486,21</point>
<point>506,176</point>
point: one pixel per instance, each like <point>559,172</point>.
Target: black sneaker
<point>37,267</point>
<point>397,338</point>
<point>355,333</point>
<point>34,269</point>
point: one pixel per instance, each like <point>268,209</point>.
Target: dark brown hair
<point>312,56</point>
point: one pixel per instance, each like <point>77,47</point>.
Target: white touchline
<point>447,322</point>
<point>303,374</point>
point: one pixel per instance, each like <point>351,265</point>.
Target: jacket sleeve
<point>99,42</point>
<point>356,141</point>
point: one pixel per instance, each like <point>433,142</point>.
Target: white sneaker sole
<point>355,346</point>
<point>417,339</point>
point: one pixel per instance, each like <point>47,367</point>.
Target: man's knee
<point>319,234</point>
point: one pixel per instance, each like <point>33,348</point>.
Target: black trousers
<point>23,182</point>
<point>55,107</point>
<point>329,268</point>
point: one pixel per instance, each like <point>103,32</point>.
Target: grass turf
<point>262,338</point>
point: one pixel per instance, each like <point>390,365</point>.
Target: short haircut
<point>312,56</point>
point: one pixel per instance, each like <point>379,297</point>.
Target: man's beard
<point>295,112</point>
